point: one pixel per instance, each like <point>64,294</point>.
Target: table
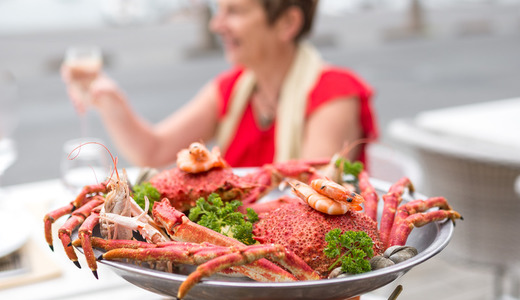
<point>68,282</point>
<point>471,155</point>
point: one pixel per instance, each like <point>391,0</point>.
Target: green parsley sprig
<point>222,217</point>
<point>353,248</point>
<point>348,167</point>
<point>148,190</point>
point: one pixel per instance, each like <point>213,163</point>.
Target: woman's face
<point>245,33</point>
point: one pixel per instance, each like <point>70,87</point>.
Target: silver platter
<point>429,241</point>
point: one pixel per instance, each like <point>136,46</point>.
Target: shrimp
<point>197,158</point>
<point>117,202</point>
<point>337,192</point>
<point>316,200</point>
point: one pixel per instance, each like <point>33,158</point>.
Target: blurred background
<point>417,54</point>
<point>435,54</point>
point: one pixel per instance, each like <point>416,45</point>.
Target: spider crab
<point>290,237</point>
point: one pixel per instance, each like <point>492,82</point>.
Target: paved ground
<point>466,54</point>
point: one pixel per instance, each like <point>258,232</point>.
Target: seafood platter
<point>291,230</point>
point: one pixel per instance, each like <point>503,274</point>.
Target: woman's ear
<point>290,23</point>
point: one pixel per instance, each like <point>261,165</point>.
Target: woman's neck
<point>272,70</point>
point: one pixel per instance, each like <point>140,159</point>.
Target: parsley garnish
<point>148,190</point>
<point>225,218</point>
<point>354,248</point>
<point>350,169</point>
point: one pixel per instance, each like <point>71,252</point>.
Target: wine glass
<point>85,162</point>
<point>84,64</point>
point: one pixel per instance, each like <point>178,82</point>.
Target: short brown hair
<point>275,8</point>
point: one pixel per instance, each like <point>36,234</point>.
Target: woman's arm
<point>331,126</point>
<point>145,144</point>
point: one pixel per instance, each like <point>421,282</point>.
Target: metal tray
<point>429,241</point>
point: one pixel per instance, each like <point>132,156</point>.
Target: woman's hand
<point>104,91</point>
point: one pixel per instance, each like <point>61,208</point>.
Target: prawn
<point>338,193</point>
<point>316,200</point>
<point>197,158</point>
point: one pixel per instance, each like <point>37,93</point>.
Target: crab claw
<point>391,200</point>
<point>415,214</point>
<point>50,218</point>
<point>77,218</point>
<point>85,234</point>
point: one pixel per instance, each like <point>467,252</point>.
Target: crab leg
<point>416,206</point>
<point>177,252</point>
<point>89,189</point>
<point>180,228</point>
<point>77,218</point>
<point>403,229</point>
<point>192,253</point>
<point>391,201</point>
<point>85,234</point>
<point>51,217</point>
<point>100,243</point>
<point>404,222</point>
<point>238,257</point>
<point>369,194</point>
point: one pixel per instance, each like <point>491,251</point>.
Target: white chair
<point>478,185</point>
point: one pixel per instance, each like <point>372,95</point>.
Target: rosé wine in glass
<point>84,64</point>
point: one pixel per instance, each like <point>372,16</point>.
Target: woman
<point>279,102</point>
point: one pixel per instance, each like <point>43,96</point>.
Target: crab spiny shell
<point>302,229</point>
<point>184,189</point>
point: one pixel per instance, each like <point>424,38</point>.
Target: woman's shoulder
<point>336,83</point>
<point>340,79</point>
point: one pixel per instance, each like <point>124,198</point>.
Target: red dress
<point>252,146</point>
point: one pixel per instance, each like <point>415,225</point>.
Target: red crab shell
<point>184,189</point>
<point>302,229</point>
